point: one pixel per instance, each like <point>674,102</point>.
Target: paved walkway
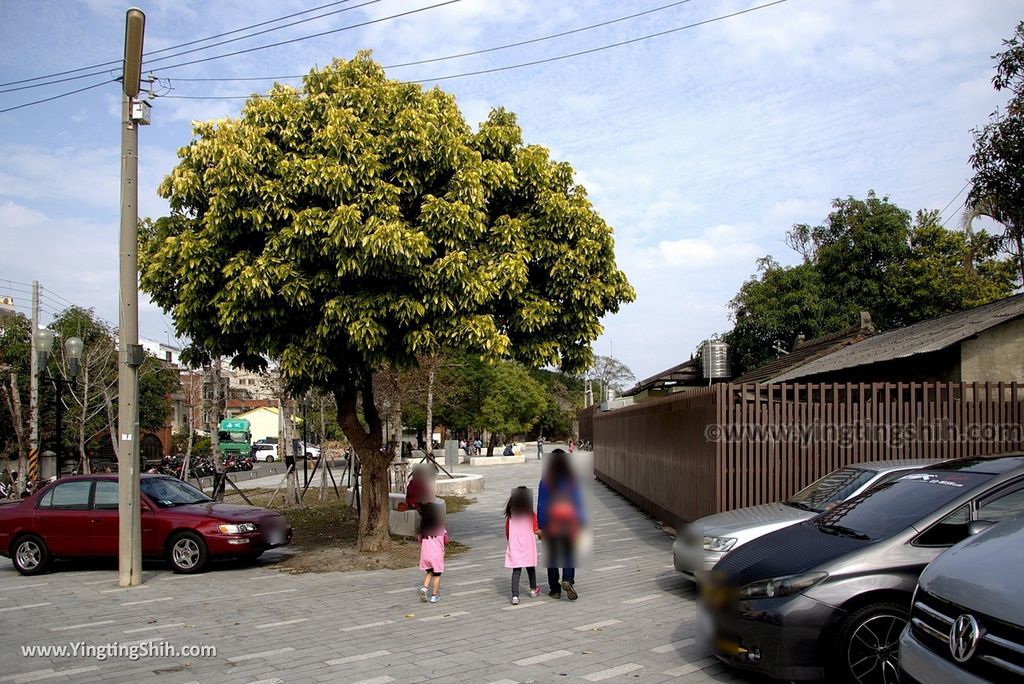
<point>634,619</point>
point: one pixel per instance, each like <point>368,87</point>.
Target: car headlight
<point>240,528</point>
<point>781,586</point>
<point>721,544</point>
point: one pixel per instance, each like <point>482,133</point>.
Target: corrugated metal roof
<point>804,354</point>
<point>925,337</point>
<point>687,373</point>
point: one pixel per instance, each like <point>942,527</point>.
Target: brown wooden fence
<point>727,446</point>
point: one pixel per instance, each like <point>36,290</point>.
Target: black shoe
<point>555,594</point>
<point>570,591</point>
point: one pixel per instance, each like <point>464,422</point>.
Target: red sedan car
<point>77,517</point>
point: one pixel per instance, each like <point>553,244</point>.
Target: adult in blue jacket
<point>560,517</point>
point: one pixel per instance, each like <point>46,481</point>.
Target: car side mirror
<point>977,527</point>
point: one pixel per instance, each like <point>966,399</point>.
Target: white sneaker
<point>435,598</point>
<point>515,600</point>
<point>424,596</point>
<point>534,593</point>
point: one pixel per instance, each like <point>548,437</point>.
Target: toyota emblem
<point>963,638</point>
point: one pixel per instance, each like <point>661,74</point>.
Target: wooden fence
<point>727,446</point>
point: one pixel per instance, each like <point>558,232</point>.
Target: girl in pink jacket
<point>521,533</point>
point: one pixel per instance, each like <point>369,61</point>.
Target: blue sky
<point>701,148</point>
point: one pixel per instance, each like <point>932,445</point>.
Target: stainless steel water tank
<point>716,360</point>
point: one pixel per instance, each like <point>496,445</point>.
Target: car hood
<point>745,524</point>
<point>983,573</point>
<point>225,511</point>
<point>789,551</point>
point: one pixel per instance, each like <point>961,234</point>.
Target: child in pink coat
<point>521,533</point>
<point>433,538</point>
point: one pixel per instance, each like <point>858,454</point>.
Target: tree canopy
<point>997,188</point>
<point>868,255</point>
<point>353,223</point>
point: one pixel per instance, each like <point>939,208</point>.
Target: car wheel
<point>868,644</point>
<point>30,555</point>
<point>187,552</point>
<point>270,459</point>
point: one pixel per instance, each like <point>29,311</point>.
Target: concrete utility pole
<point>30,470</point>
<point>129,548</point>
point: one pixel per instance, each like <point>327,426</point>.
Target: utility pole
<point>30,470</point>
<point>129,547</point>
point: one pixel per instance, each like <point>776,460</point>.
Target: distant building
<point>983,344</point>
<point>168,353</point>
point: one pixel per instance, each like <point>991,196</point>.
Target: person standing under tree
<point>560,517</point>
<point>540,447</point>
<point>433,538</point>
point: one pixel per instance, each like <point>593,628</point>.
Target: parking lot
<point>634,618</point>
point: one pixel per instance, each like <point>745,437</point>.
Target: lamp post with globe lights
<point>73,348</point>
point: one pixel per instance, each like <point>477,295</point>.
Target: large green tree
<point>868,255</point>
<point>513,405</point>
<point>353,223</point>
<point>997,188</point>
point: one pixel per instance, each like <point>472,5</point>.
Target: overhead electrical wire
<point>471,53</point>
<point>181,45</point>
<point>231,54</point>
<point>186,52</point>
<point>256,48</point>
<point>950,203</point>
<point>58,96</point>
<point>533,62</point>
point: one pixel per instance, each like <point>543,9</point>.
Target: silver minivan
<point>700,545</point>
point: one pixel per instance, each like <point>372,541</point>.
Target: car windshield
<point>885,510</point>
<point>168,492</point>
<point>835,487</point>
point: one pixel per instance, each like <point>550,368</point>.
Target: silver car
<point>700,545</point>
<point>967,616</point>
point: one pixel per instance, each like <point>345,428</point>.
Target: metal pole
<point>129,523</point>
<point>30,471</point>
<point>59,446</point>
<point>305,460</point>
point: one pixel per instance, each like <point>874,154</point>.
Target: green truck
<point>234,438</point>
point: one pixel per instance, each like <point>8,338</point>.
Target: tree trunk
<point>14,408</point>
<point>430,410</point>
<point>366,441</point>
<point>111,423</point>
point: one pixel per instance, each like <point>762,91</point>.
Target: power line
<point>520,43</point>
<point>180,45</point>
<point>186,52</point>
<point>57,97</point>
<point>45,291</point>
<point>310,36</point>
<point>948,204</point>
<point>530,63</point>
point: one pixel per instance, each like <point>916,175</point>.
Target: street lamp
<point>44,345</point>
<point>73,347</point>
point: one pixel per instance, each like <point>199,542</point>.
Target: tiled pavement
<point>634,619</point>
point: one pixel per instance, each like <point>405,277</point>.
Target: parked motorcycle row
<point>200,466</point>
